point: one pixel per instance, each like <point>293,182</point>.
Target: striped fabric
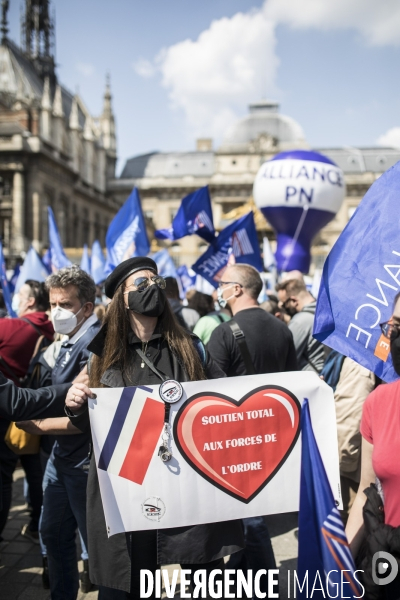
<point>134,432</point>
<point>336,541</point>
<point>203,220</point>
<point>241,244</point>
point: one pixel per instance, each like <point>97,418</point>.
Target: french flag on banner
<point>134,432</point>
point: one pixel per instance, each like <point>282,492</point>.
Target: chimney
<point>204,145</point>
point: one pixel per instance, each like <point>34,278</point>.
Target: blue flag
<point>32,268</point>
<point>98,263</point>
<point>194,216</point>
<point>46,259</point>
<point>360,279</point>
<point>236,243</point>
<point>85,260</point>
<point>14,278</point>
<point>323,544</point>
<point>4,284</point>
<point>165,264</point>
<point>58,258</point>
<point>127,235</point>
<point>187,281</point>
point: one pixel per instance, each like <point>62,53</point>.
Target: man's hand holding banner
<point>235,445</point>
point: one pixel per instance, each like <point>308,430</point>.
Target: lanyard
<point>165,450</point>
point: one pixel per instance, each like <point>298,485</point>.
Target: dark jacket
<point>18,404</point>
<point>109,560</point>
<point>269,341</point>
<point>378,537</point>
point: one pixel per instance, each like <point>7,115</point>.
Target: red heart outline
<point>228,402</point>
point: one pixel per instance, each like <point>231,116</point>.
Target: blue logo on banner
<point>238,239</point>
<point>194,216</point>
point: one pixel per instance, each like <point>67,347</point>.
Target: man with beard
<point>300,305</point>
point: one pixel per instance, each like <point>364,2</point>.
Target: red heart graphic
<point>238,446</point>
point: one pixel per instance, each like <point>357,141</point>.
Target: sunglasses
<point>142,283</point>
<point>390,330</point>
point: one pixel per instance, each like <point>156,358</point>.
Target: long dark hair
<point>116,350</point>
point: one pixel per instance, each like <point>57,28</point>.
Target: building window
<point>85,226</point>
<point>62,215</point>
<point>5,186</point>
<point>75,227</point>
<point>96,226</point>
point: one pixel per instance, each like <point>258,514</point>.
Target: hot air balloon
<point>298,192</point>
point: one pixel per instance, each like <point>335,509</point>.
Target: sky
<point>183,69</point>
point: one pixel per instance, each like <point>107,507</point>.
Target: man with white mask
<point>72,297</point>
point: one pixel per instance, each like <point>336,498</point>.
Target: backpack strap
<point>218,317</point>
<point>243,348</point>
<point>32,325</point>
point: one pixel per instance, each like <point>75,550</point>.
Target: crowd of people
<point>64,342</point>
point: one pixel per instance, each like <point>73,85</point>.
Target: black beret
<point>124,270</point>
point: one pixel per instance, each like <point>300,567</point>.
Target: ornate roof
<point>171,164</point>
<point>264,121</point>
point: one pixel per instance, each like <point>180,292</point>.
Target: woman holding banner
<point>141,343</point>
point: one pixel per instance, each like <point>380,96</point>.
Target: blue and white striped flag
<point>323,546</point>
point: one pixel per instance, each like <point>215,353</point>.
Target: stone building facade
<point>53,152</point>
<point>164,178</point>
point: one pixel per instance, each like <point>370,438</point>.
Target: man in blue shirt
<point>72,297</point>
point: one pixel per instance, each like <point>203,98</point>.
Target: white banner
<point>235,444</point>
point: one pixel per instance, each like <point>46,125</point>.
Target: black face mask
<point>150,303</point>
<point>395,350</point>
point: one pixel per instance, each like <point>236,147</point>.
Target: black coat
<point>109,559</point>
<point>378,536</point>
<point>18,404</point>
